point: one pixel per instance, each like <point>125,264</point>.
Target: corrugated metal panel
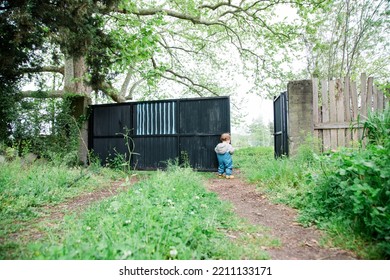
<point>200,151</point>
<point>107,148</point>
<point>204,116</point>
<point>162,130</point>
<point>157,118</point>
<point>109,120</point>
<point>154,152</point>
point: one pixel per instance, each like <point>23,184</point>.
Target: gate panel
<point>161,130</point>
<point>200,151</point>
<point>109,120</point>
<point>204,116</point>
<point>280,125</point>
<point>154,152</point>
<point>108,148</point>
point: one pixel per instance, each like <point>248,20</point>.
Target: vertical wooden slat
<point>369,94</point>
<point>375,97</point>
<point>315,109</point>
<point>339,95</point>
<point>363,95</point>
<point>347,110</point>
<point>325,114</point>
<point>332,114</point>
<point>381,101</point>
<point>355,110</point>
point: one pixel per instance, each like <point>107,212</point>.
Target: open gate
<point>280,125</point>
<point>159,131</point>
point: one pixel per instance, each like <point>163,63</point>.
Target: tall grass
<point>347,192</point>
<point>283,179</point>
<point>26,188</point>
<point>352,194</point>
<point>168,216</point>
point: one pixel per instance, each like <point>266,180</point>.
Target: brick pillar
<point>300,112</point>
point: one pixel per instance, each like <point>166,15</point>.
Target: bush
<point>354,187</point>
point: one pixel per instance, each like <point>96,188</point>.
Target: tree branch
<point>132,89</point>
<point>53,69</point>
<point>174,14</point>
<point>126,83</point>
<point>110,91</point>
<point>189,80</point>
<point>216,6</point>
<point>42,94</point>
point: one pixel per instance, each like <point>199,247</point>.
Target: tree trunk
<point>79,93</point>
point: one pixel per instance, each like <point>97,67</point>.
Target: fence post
<point>300,113</point>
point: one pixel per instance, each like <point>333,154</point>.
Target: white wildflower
<point>173,253</point>
<point>127,254</point>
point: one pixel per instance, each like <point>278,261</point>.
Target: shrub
<point>354,187</point>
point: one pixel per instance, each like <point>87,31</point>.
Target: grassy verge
<point>282,180</point>
<point>167,216</point>
<point>346,193</point>
<point>26,189</point>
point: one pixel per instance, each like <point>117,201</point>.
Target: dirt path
<point>297,242</point>
<point>32,229</point>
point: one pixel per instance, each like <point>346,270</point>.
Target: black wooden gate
<point>280,125</point>
<point>183,129</point>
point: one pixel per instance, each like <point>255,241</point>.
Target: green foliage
<point>354,187</point>
<point>377,128</point>
<point>283,180</point>
<point>339,30</point>
<point>347,192</point>
<point>122,161</point>
<point>8,110</point>
<point>25,189</point>
<point>259,133</point>
<point>169,216</point>
<point>47,129</point>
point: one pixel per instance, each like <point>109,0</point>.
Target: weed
<point>168,216</point>
<point>347,192</point>
<point>26,189</point>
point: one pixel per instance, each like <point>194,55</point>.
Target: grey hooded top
<point>223,148</point>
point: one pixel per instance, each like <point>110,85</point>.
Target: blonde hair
<point>225,137</point>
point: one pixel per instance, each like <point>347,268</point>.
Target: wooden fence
<point>340,107</point>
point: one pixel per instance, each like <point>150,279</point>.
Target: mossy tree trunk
<point>79,92</point>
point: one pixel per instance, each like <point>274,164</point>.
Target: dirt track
<point>298,243</point>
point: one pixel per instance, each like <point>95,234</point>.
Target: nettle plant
<point>354,186</point>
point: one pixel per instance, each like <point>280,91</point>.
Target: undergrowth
<point>168,216</point>
<point>346,193</point>
<point>26,188</point>
<point>284,180</point>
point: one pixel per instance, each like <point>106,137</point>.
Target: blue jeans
<point>225,163</point>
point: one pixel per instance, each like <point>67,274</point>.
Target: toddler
<point>224,151</point>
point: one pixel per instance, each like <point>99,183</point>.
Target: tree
<point>260,133</point>
<point>125,49</point>
<point>347,39</point>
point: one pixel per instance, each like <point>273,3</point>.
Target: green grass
<point>282,180</point>
<point>25,189</point>
<point>169,215</point>
<point>346,193</point>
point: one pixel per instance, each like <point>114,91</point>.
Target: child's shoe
<point>221,175</point>
<point>229,177</point>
